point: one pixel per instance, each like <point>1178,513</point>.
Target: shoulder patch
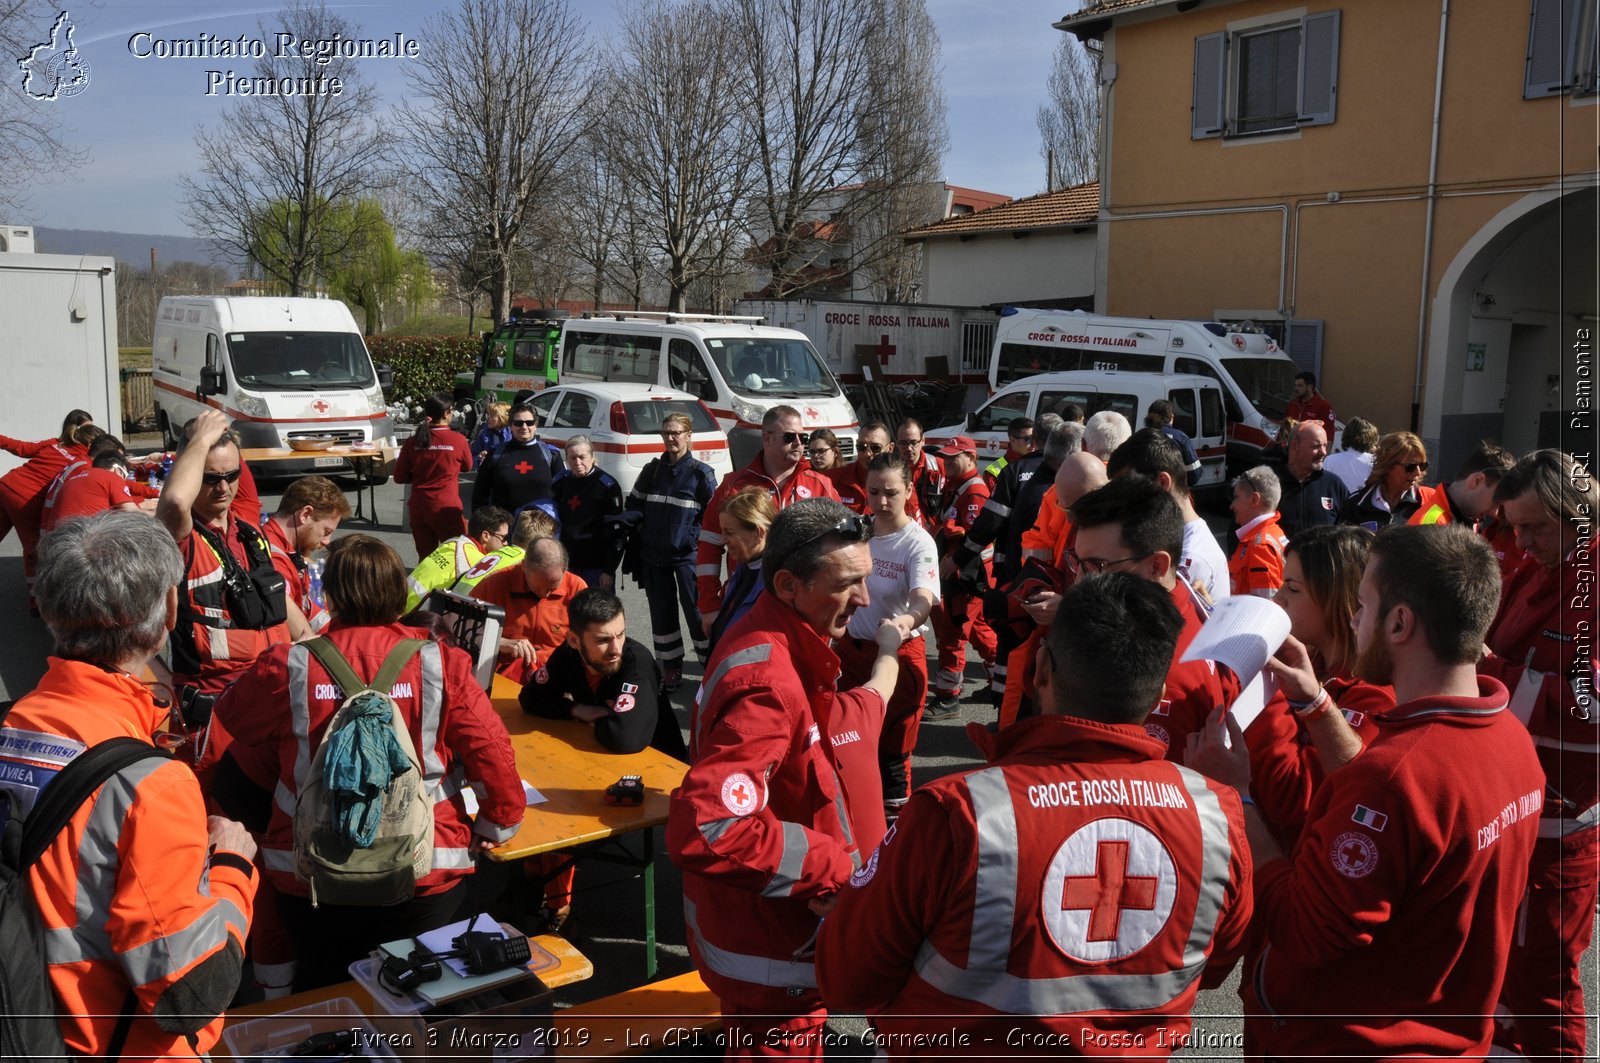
<point>1354,855</point>
<point>624,703</point>
<point>739,794</point>
<point>542,676</point>
<point>630,688</point>
<point>866,872</point>
<point>1369,818</point>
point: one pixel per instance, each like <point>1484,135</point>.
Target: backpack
<point>384,871</point>
<point>28,1004</point>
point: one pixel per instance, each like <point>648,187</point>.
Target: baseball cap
<point>958,445</point>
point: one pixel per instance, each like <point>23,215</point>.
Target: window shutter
<point>1319,69</point>
<point>1210,86</point>
<point>1551,24</point>
<point>1303,343</point>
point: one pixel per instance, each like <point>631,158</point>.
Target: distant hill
<point>133,248</point>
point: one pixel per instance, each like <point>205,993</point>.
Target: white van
<point>1197,400</point>
<point>280,368</point>
<point>738,368</point>
<point>1256,376</point>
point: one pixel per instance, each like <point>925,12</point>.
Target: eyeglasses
<point>523,424</point>
<point>821,452</point>
<point>796,437</point>
<point>872,448</point>
<point>1415,467</point>
<point>211,479</point>
<point>1096,564</point>
<point>672,433</point>
<point>909,442</point>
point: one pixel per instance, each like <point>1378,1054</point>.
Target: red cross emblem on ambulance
<point>320,406</point>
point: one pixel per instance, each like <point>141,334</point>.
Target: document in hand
<point>1242,632</point>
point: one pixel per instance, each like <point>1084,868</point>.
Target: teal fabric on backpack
<point>363,757</point>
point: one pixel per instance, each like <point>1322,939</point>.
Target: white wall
<point>1057,264</point>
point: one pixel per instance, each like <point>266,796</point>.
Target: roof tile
<point>1078,205</point>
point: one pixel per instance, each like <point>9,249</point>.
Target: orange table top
<point>564,762</point>
<point>382,453</point>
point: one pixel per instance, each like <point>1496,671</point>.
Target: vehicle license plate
<point>326,463</point>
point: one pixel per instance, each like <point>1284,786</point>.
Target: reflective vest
<point>207,645</point>
<point>488,565</point>
<point>1434,507</point>
<point>448,562</point>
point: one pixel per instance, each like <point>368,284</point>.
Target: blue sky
<point>137,116</point>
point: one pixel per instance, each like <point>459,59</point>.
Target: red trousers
<point>1018,698</point>
<point>956,620</point>
<point>752,1034</point>
<point>25,515</point>
<point>1542,990</point>
<point>431,525</point>
<point>902,716</point>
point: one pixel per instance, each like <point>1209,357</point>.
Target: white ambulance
<point>280,368</point>
<point>1256,376</point>
<point>738,368</point>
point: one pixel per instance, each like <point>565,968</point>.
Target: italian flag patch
<point>1368,818</point>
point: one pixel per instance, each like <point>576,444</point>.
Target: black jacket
<point>515,475</point>
<point>632,695</point>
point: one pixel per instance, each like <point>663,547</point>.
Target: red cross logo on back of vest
<point>320,406</point>
<point>523,467</point>
<point>1109,891</point>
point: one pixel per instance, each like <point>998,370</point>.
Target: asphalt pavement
<point>608,922</point>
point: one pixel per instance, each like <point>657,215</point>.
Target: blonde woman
<point>1392,492</point>
<point>495,431</point>
<point>746,519</point>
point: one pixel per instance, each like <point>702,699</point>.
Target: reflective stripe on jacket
<point>207,647</point>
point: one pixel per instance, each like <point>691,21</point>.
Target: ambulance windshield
<point>771,368</point>
<point>300,361</point>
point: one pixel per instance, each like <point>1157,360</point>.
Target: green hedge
<point>424,364</point>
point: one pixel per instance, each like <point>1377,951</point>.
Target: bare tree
<point>497,105</point>
<point>904,136</point>
<point>681,96</point>
<point>281,167</point>
<point>1069,122</point>
<point>596,202</point>
<point>35,34</point>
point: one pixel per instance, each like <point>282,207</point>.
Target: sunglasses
<point>523,424</point>
<point>1415,467</point>
<point>211,479</point>
<point>796,437</point>
<point>872,448</point>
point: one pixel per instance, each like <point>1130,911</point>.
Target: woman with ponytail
<point>23,489</point>
<point>432,462</point>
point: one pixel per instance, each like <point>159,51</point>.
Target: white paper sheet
<point>1241,632</point>
<point>530,796</point>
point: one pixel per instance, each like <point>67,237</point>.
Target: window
<point>576,412</point>
<point>613,356</point>
<point>1184,410</point>
<point>542,405</point>
<point>528,354</point>
<point>644,418</point>
<point>687,371</point>
<point>1056,402</point>
<point>1018,360</point>
<point>1212,424</point>
<point>1563,48</point>
<point>1270,78</point>
<point>1001,412</point>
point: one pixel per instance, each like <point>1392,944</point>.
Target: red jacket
<point>927,489</point>
<point>88,491</point>
<point>435,473</point>
<point>1078,886</point>
<point>1316,408</point>
<point>1362,703</point>
<point>26,484</point>
<point>450,719</point>
<point>853,723</point>
<point>296,576</point>
<point>1542,645</point>
<point>963,501</point>
<point>851,484</point>
<point>129,886</point>
<point>759,826</point>
<point>806,482</point>
<point>1394,915</point>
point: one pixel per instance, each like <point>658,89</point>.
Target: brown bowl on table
<point>313,442</point>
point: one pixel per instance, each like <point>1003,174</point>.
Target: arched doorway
<point>1511,320</point>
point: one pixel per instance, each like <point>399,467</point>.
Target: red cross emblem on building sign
<point>1109,891</point>
<point>885,349</point>
<point>320,406</point>
<point>523,467</point>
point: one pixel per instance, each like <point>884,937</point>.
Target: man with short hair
<point>233,604</point>
<point>535,596</point>
<point>760,825</point>
<point>1309,405</point>
<point>1151,453</point>
<point>1311,495</point>
<point>1019,442</point>
<point>1162,416</point>
<point>101,485</point>
<point>487,531</point>
<point>1470,496</point>
<point>144,902</point>
<point>585,495</point>
<point>1542,649</point>
<point>781,468</point>
<point>1256,566</point>
<point>958,615</point>
<point>927,474</point>
<point>307,516</point>
<point>1077,889</point>
<point>1358,445</point>
<point>1104,432</point>
<point>850,481</point>
<point>671,495</point>
<point>1389,923</point>
<point>602,678</point>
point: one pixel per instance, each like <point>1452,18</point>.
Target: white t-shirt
<point>1351,466</point>
<point>1203,562</point>
<point>902,562</point>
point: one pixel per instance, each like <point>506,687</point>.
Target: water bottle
<point>166,467</point>
<point>153,480</point>
<point>314,582</point>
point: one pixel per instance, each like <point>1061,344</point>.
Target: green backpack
<point>386,869</point>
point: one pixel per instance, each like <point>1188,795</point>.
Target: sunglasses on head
<point>211,479</point>
<point>855,528</point>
